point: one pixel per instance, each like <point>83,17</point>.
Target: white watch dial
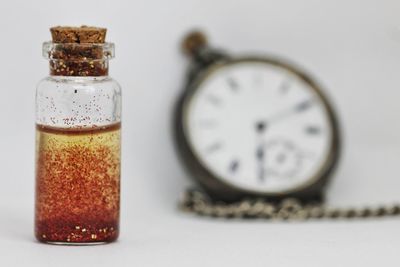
<point>259,127</point>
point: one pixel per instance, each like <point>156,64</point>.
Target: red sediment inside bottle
<point>77,184</point>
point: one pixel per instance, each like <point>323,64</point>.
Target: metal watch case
<point>202,66</point>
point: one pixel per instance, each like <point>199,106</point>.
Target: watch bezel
<point>220,189</point>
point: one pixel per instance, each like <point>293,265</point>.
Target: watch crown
<point>193,41</point>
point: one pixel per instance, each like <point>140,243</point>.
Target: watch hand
<point>260,153</point>
<point>299,107</point>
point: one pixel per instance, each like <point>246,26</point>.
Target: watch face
<point>259,127</point>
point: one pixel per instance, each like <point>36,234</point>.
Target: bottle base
<point>60,243</point>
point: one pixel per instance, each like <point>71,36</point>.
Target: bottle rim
<point>106,50</point>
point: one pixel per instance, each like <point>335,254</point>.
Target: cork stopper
<point>81,35</point>
<point>78,51</point>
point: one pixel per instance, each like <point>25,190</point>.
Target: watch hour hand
<point>260,154</point>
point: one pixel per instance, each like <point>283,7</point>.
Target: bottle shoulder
<point>77,80</point>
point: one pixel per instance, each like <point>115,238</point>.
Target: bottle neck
<point>80,68</point>
<point>78,60</point>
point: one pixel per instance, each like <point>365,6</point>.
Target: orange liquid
<point>77,184</point>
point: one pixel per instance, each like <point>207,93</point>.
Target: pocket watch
<point>259,136</point>
<point>254,126</point>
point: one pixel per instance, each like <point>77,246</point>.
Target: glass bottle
<point>78,120</point>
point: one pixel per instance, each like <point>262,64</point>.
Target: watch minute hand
<point>300,107</point>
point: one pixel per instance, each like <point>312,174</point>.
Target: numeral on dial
<point>234,166</point>
<point>313,130</point>
<point>208,123</point>
<point>303,106</point>
<point>214,100</point>
<point>233,85</point>
<point>214,147</point>
<point>284,87</point>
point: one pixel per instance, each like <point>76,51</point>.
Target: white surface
<point>233,137</point>
<point>353,47</point>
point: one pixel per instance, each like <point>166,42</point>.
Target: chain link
<point>195,201</point>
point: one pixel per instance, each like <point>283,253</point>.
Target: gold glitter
<point>77,182</point>
<point>94,236</point>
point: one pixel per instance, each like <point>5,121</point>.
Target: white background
<point>353,47</point>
